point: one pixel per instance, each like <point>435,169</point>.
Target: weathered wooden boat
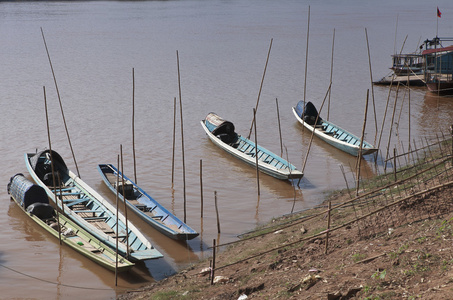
<point>222,134</point>
<point>329,132</point>
<point>144,205</point>
<point>34,202</point>
<point>87,208</point>
<point>439,66</point>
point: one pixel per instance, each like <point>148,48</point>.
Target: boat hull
<point>341,139</point>
<point>102,223</point>
<point>145,206</point>
<point>268,162</point>
<point>71,235</point>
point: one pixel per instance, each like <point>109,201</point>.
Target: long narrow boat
<point>34,202</point>
<point>329,132</point>
<point>87,208</point>
<point>144,205</point>
<point>222,134</point>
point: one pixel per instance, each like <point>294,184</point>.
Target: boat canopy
<point>221,128</point>
<point>309,113</point>
<point>24,191</point>
<point>41,164</point>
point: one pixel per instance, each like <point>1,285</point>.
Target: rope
<point>56,283</point>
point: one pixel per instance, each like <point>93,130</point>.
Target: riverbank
<point>393,240</point>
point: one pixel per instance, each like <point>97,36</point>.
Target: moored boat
<point>329,132</point>
<point>222,134</point>
<point>144,205</point>
<point>86,207</point>
<point>34,202</point>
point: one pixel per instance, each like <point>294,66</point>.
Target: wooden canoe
<point>34,202</point>
<point>329,132</point>
<point>151,211</point>
<point>87,208</point>
<point>221,133</point>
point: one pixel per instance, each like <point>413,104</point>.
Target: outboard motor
<point>31,197</point>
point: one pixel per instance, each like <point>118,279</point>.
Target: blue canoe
<point>221,133</point>
<point>87,208</point>
<point>144,205</point>
<point>33,201</point>
<point>329,132</point>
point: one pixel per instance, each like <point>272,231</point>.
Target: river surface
<point>222,48</point>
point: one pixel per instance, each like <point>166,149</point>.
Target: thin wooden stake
<point>394,164</point>
<point>182,140</point>
<point>328,226</point>
<point>372,86</point>
<point>391,124</point>
<point>306,63</point>
<point>331,74</point>
<point>133,124</point>
<point>279,128</point>
<point>124,200</point>
<point>61,106</point>
<point>359,156</point>
<point>256,154</point>
<point>261,87</point>
<point>174,141</point>
<point>213,261</point>
<point>51,164</point>
<point>201,187</point>
<point>217,211</point>
<point>117,212</point>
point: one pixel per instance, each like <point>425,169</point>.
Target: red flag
<point>439,14</point>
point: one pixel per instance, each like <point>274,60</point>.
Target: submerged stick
<point>61,106</point>
<point>217,211</point>
<point>261,87</point>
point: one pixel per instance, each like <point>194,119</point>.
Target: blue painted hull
<point>145,206</point>
<point>88,209</point>
<point>245,150</point>
<point>334,135</point>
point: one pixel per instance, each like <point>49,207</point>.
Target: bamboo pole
<point>61,106</point>
<point>182,139</point>
<point>133,124</point>
<point>256,154</point>
<point>313,132</point>
<point>201,187</point>
<point>279,128</point>
<point>359,156</point>
<point>306,62</point>
<point>124,200</point>
<point>261,87</point>
<point>328,226</point>
<point>117,212</point>
<point>372,86</point>
<point>51,164</point>
<point>213,261</point>
<point>383,120</point>
<point>331,74</point>
<point>391,124</point>
<point>174,141</point>
<point>217,211</point>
